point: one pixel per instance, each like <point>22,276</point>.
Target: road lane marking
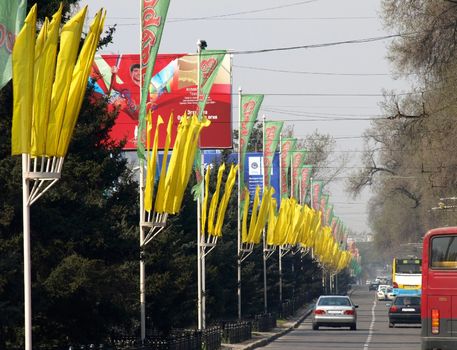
<point>370,329</point>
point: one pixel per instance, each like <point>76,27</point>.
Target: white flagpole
<point>265,294</point>
<point>142,214</point>
<point>142,264</point>
<point>27,260</point>
<point>200,301</point>
<point>280,198</point>
<point>239,206</point>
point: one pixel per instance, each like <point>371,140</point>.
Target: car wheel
<point>353,327</point>
<point>391,325</point>
<point>315,327</point>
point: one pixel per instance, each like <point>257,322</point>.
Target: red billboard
<point>173,89</point>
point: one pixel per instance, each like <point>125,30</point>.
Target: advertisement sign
<point>253,172</point>
<point>173,89</point>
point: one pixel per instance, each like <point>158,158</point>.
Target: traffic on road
<point>372,332</point>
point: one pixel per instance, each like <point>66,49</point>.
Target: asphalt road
<point>372,331</point>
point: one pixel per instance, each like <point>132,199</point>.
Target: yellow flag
<point>191,151</point>
<point>263,213</point>
<point>244,224</point>
<point>225,200</point>
<point>152,160</point>
<point>69,44</point>
<point>215,200</point>
<point>205,201</point>
<point>271,222</point>
<point>78,84</point>
<point>173,171</point>
<point>281,223</point>
<point>45,66</point>
<point>23,63</point>
<point>255,208</point>
<point>163,171</point>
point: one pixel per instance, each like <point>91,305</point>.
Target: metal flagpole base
<point>42,173</point>
<point>269,251</point>
<point>153,225</point>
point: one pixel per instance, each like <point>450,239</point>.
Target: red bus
<point>439,289</point>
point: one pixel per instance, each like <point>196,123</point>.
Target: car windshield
<point>334,302</point>
<point>407,301</point>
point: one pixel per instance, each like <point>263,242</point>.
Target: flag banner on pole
<point>209,67</point>
<point>329,215</point>
<point>153,16</point>
<point>12,14</point>
<point>316,193</point>
<point>198,187</point>
<point>48,90</point>
<point>287,148</point>
<point>210,62</point>
<point>249,109</point>
<point>305,176</point>
<point>45,68</point>
<point>333,224</point>
<point>323,206</point>
<point>270,142</point>
<point>298,158</point>
<point>23,59</point>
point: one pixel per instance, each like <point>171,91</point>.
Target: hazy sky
<point>331,89</point>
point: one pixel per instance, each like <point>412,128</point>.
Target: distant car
<point>367,282</point>
<point>335,311</point>
<point>405,309</point>
<point>390,293</point>
<point>381,292</point>
<point>373,286</point>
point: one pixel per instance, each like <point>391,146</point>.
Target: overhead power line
<point>178,20</point>
<point>315,73</point>
<point>248,12</point>
<point>313,46</point>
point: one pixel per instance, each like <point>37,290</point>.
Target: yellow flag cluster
<point>259,215</point>
<point>328,251</point>
<point>49,87</point>
<point>294,225</point>
<point>174,178</point>
<point>215,222</point>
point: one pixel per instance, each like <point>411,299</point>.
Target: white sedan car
<point>381,292</point>
<point>390,294</point>
<point>335,311</point>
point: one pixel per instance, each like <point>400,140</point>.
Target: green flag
<point>298,159</point>
<point>304,177</point>
<point>12,14</point>
<point>270,142</point>
<point>198,187</point>
<point>249,109</point>
<point>287,149</point>
<point>210,62</point>
<point>316,192</point>
<point>153,16</point>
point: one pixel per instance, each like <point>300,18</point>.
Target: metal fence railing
<point>264,322</point>
<point>236,331</point>
<point>184,339</point>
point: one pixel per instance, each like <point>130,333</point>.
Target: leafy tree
<point>408,157</point>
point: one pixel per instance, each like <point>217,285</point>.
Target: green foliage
<point>82,238</point>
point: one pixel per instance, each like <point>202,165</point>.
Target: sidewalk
<point>260,339</point>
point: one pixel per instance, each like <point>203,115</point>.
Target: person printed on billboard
<point>127,99</point>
